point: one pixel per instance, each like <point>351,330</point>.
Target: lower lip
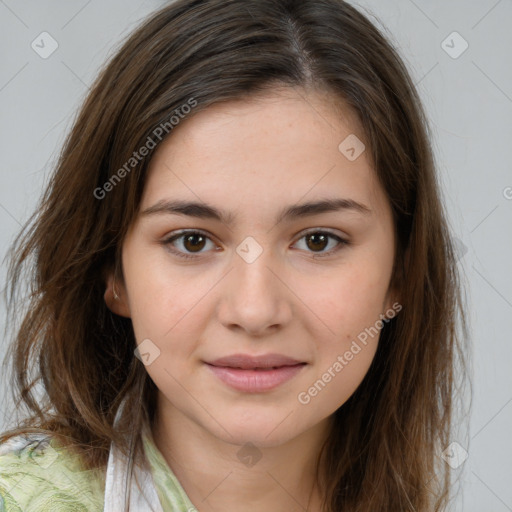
<point>255,381</point>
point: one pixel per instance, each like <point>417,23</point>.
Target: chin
<point>264,430</point>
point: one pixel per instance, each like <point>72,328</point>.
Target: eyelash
<point>168,242</point>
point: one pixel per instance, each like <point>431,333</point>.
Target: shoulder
<point>38,474</point>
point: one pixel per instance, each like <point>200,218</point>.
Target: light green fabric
<point>39,475</point>
<point>171,493</point>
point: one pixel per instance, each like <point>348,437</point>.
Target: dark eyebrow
<point>204,211</point>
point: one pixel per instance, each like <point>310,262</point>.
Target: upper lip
<point>247,362</point>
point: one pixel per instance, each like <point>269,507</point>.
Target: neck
<point>217,475</point>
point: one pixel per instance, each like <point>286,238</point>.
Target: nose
<point>255,297</point>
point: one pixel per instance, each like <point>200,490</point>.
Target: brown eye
<point>189,244</point>
<point>317,241</point>
<point>194,242</point>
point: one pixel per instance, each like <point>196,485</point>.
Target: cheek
<point>338,378</point>
<point>356,305</point>
<point>163,305</point>
<point>351,306</point>
<point>351,299</point>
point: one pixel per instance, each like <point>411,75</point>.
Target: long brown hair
<point>382,454</point>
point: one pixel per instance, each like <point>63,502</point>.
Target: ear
<point>119,305</point>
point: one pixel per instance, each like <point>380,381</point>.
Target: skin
<point>252,158</point>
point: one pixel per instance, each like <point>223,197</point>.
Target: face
<point>250,308</point>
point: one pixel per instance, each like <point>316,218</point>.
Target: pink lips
<point>254,374</point>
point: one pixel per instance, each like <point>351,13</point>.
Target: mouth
<point>255,374</point>
<point>262,362</point>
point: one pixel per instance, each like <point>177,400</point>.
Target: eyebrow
<point>205,211</point>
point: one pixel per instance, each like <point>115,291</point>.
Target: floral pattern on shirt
<point>37,474</point>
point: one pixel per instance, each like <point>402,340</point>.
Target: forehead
<point>268,150</point>
<point>275,118</point>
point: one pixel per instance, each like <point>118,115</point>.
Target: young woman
<point>244,294</point>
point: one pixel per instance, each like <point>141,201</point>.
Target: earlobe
<point>115,297</point>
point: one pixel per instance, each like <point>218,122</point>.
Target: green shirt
<point>37,474</point>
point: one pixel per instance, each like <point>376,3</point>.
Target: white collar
<point>118,482</point>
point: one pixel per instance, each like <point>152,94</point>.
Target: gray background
<point>469,102</point>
